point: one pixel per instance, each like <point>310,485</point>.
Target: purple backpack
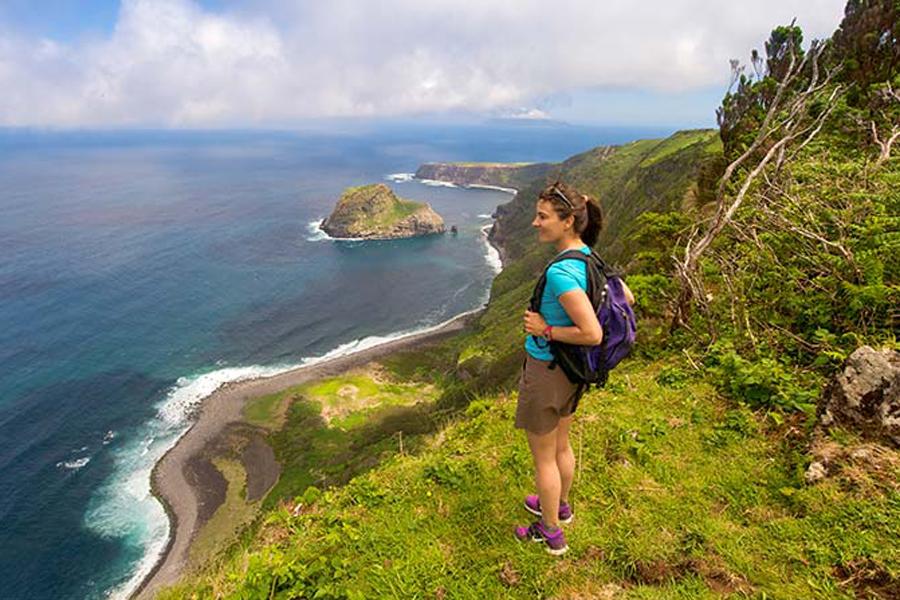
<point>590,365</point>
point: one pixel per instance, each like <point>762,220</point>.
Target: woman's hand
<point>534,323</point>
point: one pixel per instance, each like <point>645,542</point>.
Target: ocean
<point>142,269</point>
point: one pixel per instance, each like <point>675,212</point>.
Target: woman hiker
<point>570,221</point>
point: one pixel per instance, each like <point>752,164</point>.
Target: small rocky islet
<point>374,212</point>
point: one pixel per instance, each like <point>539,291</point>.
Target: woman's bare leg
<point>565,458</point>
<point>546,475</point>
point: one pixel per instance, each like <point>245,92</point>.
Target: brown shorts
<point>545,395</point>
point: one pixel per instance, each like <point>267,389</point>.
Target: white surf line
<point>492,255</point>
<point>437,183</point>
<point>122,505</point>
<point>482,186</point>
<point>400,177</point>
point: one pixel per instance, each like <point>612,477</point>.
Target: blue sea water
<point>140,270</point>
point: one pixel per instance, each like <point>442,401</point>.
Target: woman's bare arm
<point>586,329</point>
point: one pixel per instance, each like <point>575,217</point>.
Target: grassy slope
<point>229,519</point>
<point>385,220</point>
<point>330,429</point>
<point>679,495</point>
<point>645,175</point>
<point>502,174</point>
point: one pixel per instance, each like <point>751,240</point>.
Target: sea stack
<point>375,212</point>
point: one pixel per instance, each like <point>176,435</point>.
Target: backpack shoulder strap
<point>605,268</point>
<point>593,264</point>
<point>538,293</point>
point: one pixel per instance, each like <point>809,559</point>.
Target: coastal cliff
<point>375,212</point>
<point>483,173</point>
<point>697,485</point>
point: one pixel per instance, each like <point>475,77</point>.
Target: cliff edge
<point>495,174</point>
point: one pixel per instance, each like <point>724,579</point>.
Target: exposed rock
<point>865,396</point>
<point>498,235</point>
<point>816,472</point>
<point>375,212</point>
<point>866,466</point>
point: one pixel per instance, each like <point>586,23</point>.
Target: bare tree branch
<point>889,96</point>
<point>884,146</point>
<point>786,120</point>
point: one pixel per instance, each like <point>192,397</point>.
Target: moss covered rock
<point>375,212</point>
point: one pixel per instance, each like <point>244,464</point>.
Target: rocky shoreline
<point>223,409</point>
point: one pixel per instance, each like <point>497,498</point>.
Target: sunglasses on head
<point>555,190</point>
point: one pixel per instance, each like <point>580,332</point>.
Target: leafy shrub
<point>272,573</point>
<point>477,407</point>
<point>736,425</point>
<point>445,473</point>
<point>652,294</point>
<point>673,377</point>
<point>365,492</point>
<point>310,495</point>
<point>655,234</point>
<point>760,383</point>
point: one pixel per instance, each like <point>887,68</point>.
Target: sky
<point>282,63</point>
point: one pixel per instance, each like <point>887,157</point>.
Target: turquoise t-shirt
<point>562,277</point>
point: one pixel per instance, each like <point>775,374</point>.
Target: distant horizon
<point>349,124</point>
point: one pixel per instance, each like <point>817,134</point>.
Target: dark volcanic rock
<point>261,467</point>
<point>865,396</point>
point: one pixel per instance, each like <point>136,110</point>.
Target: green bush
<point>737,424</point>
<point>673,377</point>
<point>760,383</point>
<point>272,573</point>
<point>652,294</point>
<point>365,492</point>
<point>445,473</point>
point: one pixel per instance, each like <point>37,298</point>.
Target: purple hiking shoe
<point>533,505</point>
<point>536,532</point>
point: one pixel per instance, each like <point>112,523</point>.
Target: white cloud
<point>528,114</point>
<point>171,62</point>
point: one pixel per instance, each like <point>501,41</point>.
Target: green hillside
<point>682,492</point>
<point>679,494</point>
<point>647,175</point>
<point>404,479</point>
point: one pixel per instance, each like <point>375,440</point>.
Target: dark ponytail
<point>566,201</point>
<point>594,222</point>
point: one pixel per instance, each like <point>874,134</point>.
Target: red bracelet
<point>548,333</point>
